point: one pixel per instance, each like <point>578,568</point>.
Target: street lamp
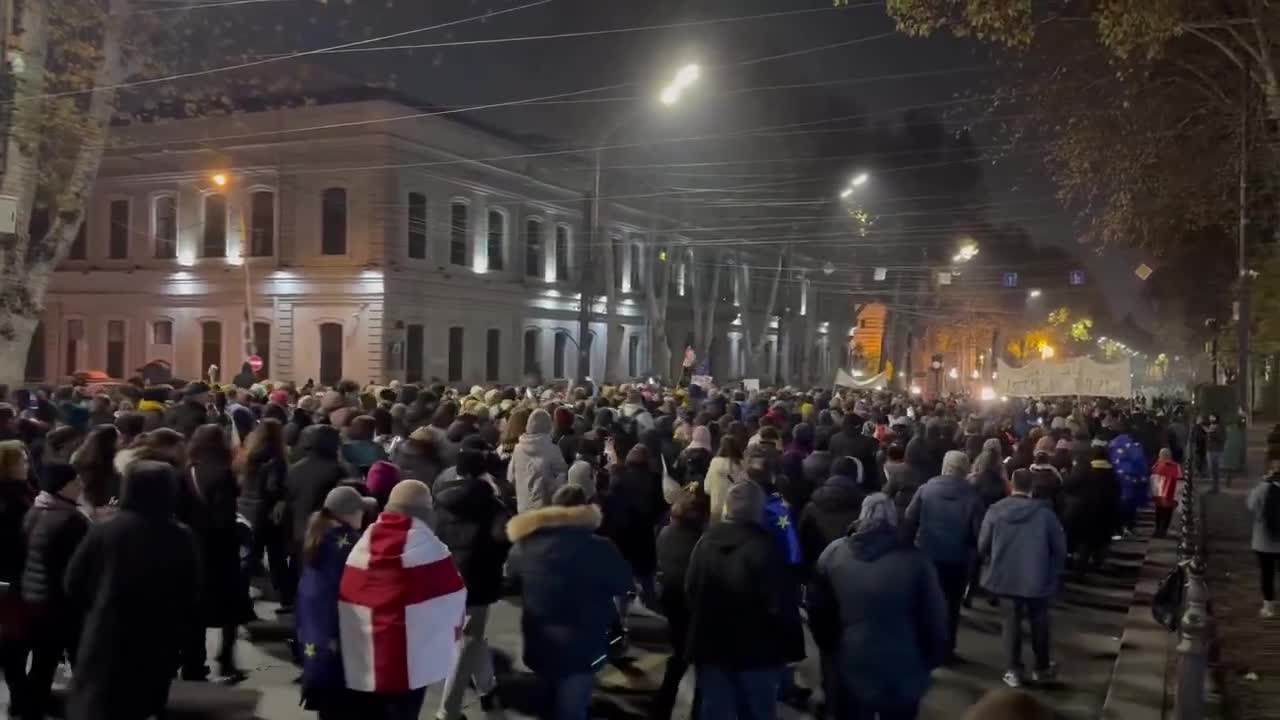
<point>967,252</point>
<point>1034,293</point>
<point>684,78</point>
<point>221,180</point>
<point>855,182</point>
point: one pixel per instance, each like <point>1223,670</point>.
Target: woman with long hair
<point>94,462</point>
<point>262,470</point>
<point>332,532</point>
<point>726,468</point>
<point>207,504</point>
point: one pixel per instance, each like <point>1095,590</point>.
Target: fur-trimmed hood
<point>555,516</point>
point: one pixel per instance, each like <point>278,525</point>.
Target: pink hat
<point>382,477</point>
<point>279,397</point>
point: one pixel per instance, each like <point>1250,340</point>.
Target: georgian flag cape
<point>400,607</point>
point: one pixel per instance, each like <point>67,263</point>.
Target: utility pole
<point>1243,375</point>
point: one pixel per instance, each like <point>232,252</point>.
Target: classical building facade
<point>371,241</point>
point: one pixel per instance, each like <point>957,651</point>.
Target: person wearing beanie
<point>54,528</point>
<point>403,576</point>
<point>743,613</point>
<point>879,617</point>
<point>943,519</point>
<point>382,477</point>
<point>135,582</point>
<point>332,532</point>
<point>537,469</point>
<point>570,581</point>
<point>471,520</point>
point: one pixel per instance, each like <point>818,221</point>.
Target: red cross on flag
<point>400,607</point>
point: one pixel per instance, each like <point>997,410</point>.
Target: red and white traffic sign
<point>255,363</point>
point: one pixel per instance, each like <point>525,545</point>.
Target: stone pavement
<point>1088,622</point>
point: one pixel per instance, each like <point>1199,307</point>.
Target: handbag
<point>1166,603</point>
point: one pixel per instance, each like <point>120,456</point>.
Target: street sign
<point>1143,271</point>
<point>1009,280</point>
<point>1076,277</point>
<point>255,363</point>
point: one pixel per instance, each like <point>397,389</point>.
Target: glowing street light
<point>846,193</point>
<point>1047,352</point>
<point>1034,293</point>
<point>860,179</point>
<point>220,180</point>
<point>684,78</point>
<point>967,252</point>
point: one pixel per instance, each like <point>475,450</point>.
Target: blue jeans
<point>741,694</point>
<point>571,697</point>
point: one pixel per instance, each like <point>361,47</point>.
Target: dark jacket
<point>852,443</point>
<point>312,477</point>
<point>831,511</point>
<point>415,461</point>
<point>947,513</point>
<point>901,483</point>
<point>317,611</point>
<point>54,528</point>
<point>1027,547</point>
<point>262,488</point>
<point>675,547</point>
<point>472,521</point>
<point>15,500</point>
<point>631,513</point>
<point>876,603</point>
<point>362,454</point>
<point>207,504</point>
<point>568,579</point>
<point>186,416</point>
<point>135,578</point>
<point>1092,502</point>
<point>793,483</point>
<point>817,467</point>
<point>1046,485</point>
<point>743,607</point>
<point>691,466</point>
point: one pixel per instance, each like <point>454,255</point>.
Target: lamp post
<point>221,180</point>
<point>670,95</point>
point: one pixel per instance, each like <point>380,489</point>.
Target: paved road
<point>1087,625</point>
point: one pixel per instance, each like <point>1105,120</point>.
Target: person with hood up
<point>401,606</point>
<point>1165,476</point>
<point>308,481</point>
<point>832,510</point>
<point>880,617</point>
<point>1263,504</point>
<point>537,469</point>
<point>793,483</point>
<point>1028,550</point>
<point>944,519</point>
<point>744,621</point>
<point>54,528</point>
<point>135,581</point>
<point>632,508</point>
<point>694,462</point>
<point>853,442</point>
<point>570,579</point>
<point>901,481</point>
<point>332,532</point>
<point>471,520</point>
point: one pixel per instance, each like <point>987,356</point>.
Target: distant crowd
<point>387,521</point>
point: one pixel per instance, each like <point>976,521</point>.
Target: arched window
<point>458,214</point>
<point>333,221</point>
<point>497,239</point>
<point>210,345</point>
<point>215,226</point>
<point>532,340</point>
<point>533,247</point>
<point>262,224</point>
<point>330,353</point>
<point>164,226</point>
<point>417,240</point>
<point>492,355</point>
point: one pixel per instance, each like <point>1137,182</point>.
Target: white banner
<point>751,384</point>
<point>844,379</point>
<point>1077,376</point>
<point>704,380</point>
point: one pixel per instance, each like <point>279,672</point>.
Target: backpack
<point>1166,603</point>
<point>1271,508</point>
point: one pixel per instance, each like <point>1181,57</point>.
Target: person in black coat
<point>817,466</point>
<point>309,480</point>
<point>263,470</point>
<point>831,511</point>
<point>192,412</point>
<point>54,528</point>
<point>689,516</point>
<point>1092,508</point>
<point>471,520</point>
<point>16,497</point>
<point>744,618</point>
<point>852,442</point>
<point>207,504</point>
<point>632,508</point>
<point>135,582</point>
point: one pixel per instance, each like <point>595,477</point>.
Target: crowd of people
<point>387,522</point>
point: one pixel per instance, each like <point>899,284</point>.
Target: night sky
<point>950,77</point>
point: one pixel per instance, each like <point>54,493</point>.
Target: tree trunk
<point>27,263</point>
<point>756,347</point>
<point>613,331</point>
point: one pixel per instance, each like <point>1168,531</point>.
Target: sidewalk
<point>1248,652</point>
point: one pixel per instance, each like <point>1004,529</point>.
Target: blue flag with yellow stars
<point>316,613</point>
<point>777,517</point>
